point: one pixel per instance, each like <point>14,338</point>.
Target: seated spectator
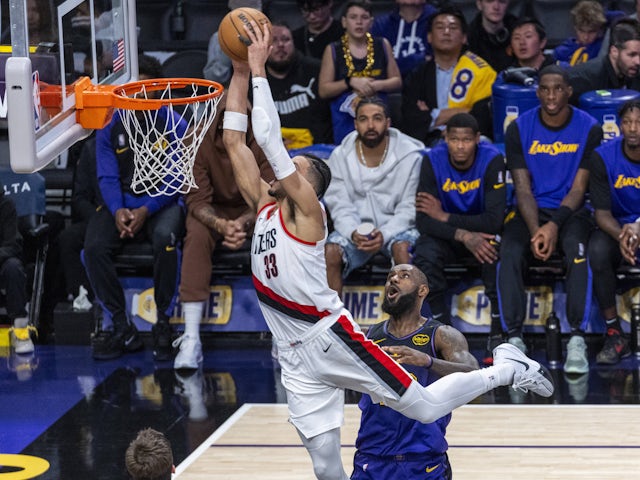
<point>618,69</point>
<point>293,78</point>
<point>149,456</point>
<point>550,185</point>
<point>126,216</point>
<point>528,41</point>
<point>217,215</point>
<point>406,29</point>
<point>374,179</point>
<point>461,222</point>
<point>13,278</point>
<point>589,23</point>
<point>613,184</point>
<point>319,30</point>
<point>85,199</point>
<point>490,32</point>
<point>218,67</point>
<point>358,65</point>
<point>453,81</point>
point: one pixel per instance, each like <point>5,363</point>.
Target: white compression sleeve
<point>266,129</point>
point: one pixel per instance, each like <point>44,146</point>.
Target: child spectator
<point>589,21</point>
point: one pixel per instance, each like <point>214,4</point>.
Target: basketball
<point>231,32</point>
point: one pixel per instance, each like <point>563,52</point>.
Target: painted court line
<point>221,430</point>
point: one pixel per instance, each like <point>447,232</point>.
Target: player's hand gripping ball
<point>232,35</point>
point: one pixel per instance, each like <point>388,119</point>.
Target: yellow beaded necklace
<point>348,59</point>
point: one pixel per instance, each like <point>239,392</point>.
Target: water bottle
<point>554,340</point>
<point>635,329</point>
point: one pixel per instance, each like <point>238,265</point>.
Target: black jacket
<point>597,74</point>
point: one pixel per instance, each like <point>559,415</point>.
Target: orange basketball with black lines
<point>232,35</point>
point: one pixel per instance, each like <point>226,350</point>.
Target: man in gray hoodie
<point>375,173</point>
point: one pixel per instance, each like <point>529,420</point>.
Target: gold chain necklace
<point>363,160</point>
<point>348,59</point>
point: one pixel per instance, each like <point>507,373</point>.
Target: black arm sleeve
<point>495,202</point>
<point>594,139</point>
<point>427,225</point>
<point>513,148</point>
<point>599,188</point>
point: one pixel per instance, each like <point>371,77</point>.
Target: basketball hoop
<point>165,120</point>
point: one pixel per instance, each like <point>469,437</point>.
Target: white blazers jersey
<point>290,277</point>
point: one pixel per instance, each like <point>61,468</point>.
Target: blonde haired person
<point>589,22</point>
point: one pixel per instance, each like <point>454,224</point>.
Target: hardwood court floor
<point>523,442</point>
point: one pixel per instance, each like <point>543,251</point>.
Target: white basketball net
<point>165,141</point>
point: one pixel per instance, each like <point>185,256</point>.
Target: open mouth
<point>392,292</point>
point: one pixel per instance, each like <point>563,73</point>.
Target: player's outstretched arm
<point>254,190</point>
<point>266,127</point>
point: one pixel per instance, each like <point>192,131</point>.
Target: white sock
<point>192,314</point>
<point>498,375</point>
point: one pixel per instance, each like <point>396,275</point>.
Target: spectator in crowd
<point>546,150</point>
<point>490,32</point>
<point>126,216</point>
<point>406,29</point>
<point>217,215</point>
<point>460,204</point>
<point>589,22</point>
<point>218,67</point>
<point>618,69</point>
<point>358,65</point>
<point>614,173</point>
<point>319,30</point>
<point>149,456</point>
<point>528,41</point>
<point>41,28</point>
<point>294,84</point>
<point>85,199</point>
<point>13,278</point>
<point>428,350</point>
<point>453,81</point>
<point>374,179</point>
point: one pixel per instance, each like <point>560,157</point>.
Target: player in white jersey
<point>321,350</point>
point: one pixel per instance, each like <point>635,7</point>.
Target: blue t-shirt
<point>615,182</point>
<point>552,155</point>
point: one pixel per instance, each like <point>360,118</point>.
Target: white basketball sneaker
<point>190,354</point>
<point>529,374</point>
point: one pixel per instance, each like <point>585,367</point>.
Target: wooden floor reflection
<point>527,442</point>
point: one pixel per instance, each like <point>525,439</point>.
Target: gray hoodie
<point>384,195</point>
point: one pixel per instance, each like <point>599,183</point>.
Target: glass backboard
<point>45,59</point>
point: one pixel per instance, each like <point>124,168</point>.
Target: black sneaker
<point>161,333</point>
<point>132,341</point>
<point>106,345</point>
<point>615,347</point>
